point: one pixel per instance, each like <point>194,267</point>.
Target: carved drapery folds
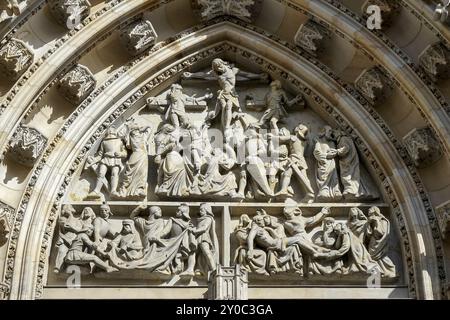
<point>138,37</point>
<point>15,58</point>
<point>423,147</point>
<point>245,10</point>
<point>373,85</point>
<point>435,61</point>
<point>26,145</point>
<point>311,37</point>
<point>6,217</point>
<point>443,217</point>
<point>389,10</point>
<point>77,84</point>
<point>228,283</point>
<point>70,13</point>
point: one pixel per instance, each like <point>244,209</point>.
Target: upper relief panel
<point>225,134</point>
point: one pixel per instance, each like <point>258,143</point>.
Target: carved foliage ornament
<point>77,84</point>
<point>310,36</point>
<point>443,216</point>
<point>70,13</point>
<point>6,216</point>
<point>435,61</point>
<point>373,85</point>
<point>15,58</point>
<point>27,145</point>
<point>423,147</point>
<point>138,37</point>
<point>241,9</point>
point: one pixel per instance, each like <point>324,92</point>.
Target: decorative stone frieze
<point>311,36</point>
<point>70,13</point>
<point>423,147</point>
<point>27,145</point>
<point>15,58</point>
<point>77,84</point>
<point>6,216</point>
<point>138,37</point>
<point>244,9</point>
<point>435,61</point>
<point>373,85</point>
<point>228,283</point>
<point>389,10</point>
<point>443,217</point>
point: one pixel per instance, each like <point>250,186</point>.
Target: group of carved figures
<point>361,245</point>
<point>252,162</point>
<point>175,246</point>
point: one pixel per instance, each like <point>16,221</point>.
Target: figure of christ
<point>227,105</point>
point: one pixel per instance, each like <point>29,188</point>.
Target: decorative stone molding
<point>311,36</point>
<point>6,216</point>
<point>27,145</point>
<point>138,37</point>
<point>243,9</point>
<point>228,283</point>
<point>70,13</point>
<point>373,85</point>
<point>4,290</point>
<point>422,147</point>
<point>389,10</point>
<point>15,58</point>
<point>435,61</point>
<point>77,84</point>
<point>443,216</point>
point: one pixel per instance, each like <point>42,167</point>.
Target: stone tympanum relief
<point>242,143</point>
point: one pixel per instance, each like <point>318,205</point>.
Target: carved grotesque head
<point>111,133</point>
<point>326,132</point>
<point>87,214</point>
<point>176,88</point>
<point>244,221</point>
<point>355,214</point>
<point>301,130</point>
<point>328,223</point>
<point>127,226</point>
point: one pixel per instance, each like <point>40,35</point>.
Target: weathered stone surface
<point>423,147</point>
<point>15,58</point>
<point>27,145</point>
<point>6,218</point>
<point>76,84</point>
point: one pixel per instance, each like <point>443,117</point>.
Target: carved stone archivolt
<point>311,37</point>
<point>138,37</point>
<point>77,84</point>
<point>27,145</point>
<point>15,58</point>
<point>435,61</point>
<point>373,85</point>
<point>422,147</point>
